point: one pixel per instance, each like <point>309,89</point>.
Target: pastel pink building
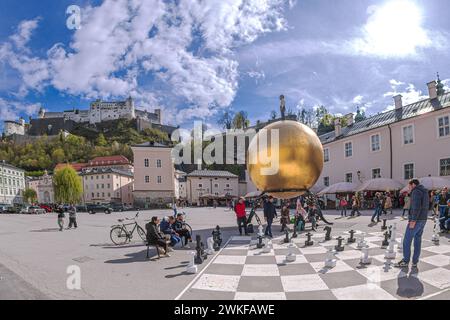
<point>409,141</point>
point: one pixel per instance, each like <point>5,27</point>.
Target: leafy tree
<point>58,155</point>
<point>240,120</point>
<point>67,185</point>
<point>101,140</point>
<point>226,120</point>
<point>30,195</point>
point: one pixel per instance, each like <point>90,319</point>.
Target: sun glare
<point>395,29</point>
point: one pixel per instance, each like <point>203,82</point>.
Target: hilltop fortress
<point>51,123</point>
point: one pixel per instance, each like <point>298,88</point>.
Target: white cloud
<point>190,51</point>
<point>393,29</point>
<point>11,110</point>
<point>408,91</point>
<point>358,99</point>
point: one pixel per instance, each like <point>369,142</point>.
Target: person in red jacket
<point>241,216</point>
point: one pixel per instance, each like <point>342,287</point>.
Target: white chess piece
<point>267,247</point>
<point>210,243</point>
<point>400,245</point>
<point>361,242</point>
<point>330,261</point>
<point>291,256</point>
<point>435,236</point>
<point>390,252</point>
<point>365,259</point>
<point>191,267</point>
<point>260,231</point>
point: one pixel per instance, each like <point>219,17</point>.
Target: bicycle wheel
<point>188,227</point>
<point>119,236</point>
<point>142,233</point>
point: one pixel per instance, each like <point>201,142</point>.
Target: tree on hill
<point>226,120</point>
<point>67,185</point>
<point>30,195</point>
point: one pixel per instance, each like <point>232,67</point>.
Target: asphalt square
<point>217,282</point>
<point>366,291</point>
<point>228,259</point>
<point>234,252</point>
<point>295,269</point>
<point>341,266</point>
<point>260,270</point>
<point>261,260</point>
<point>343,279</point>
<point>260,296</point>
<point>438,260</point>
<point>409,287</point>
<point>312,250</point>
<point>299,259</point>
<point>299,283</point>
<point>260,284</point>
<point>376,274</point>
<point>438,277</point>
<point>443,248</point>
<point>259,252</point>
<point>348,254</point>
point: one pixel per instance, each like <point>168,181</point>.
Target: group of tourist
<point>382,204</point>
<point>167,233</point>
<point>62,212</point>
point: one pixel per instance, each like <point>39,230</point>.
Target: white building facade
<point>410,141</point>
<point>12,184</point>
<point>44,188</point>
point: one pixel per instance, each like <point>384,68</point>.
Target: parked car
<point>93,209</point>
<point>13,209</point>
<point>3,208</point>
<point>32,210</point>
<point>119,207</point>
<point>81,208</point>
<point>46,208</point>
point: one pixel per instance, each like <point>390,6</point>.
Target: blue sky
<point>195,59</point>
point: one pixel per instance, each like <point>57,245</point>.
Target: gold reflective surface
<point>300,159</point>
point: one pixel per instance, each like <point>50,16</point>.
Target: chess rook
<point>339,246</point>
<point>308,241</point>
<point>351,239</point>
<point>384,227</point>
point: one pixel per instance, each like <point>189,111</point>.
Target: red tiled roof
<point>111,160</point>
<point>77,166</point>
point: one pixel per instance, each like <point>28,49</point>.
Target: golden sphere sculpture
<point>300,159</point>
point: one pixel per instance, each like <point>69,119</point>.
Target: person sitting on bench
<point>181,229</point>
<point>166,227</point>
<point>156,238</point>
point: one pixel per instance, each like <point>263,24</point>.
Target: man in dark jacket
<point>270,212</point>
<point>418,215</point>
<point>154,237</point>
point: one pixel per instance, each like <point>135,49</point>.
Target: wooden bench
<point>156,246</point>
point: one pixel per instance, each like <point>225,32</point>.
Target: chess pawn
<point>330,261</point>
<point>260,231</point>
<point>210,243</point>
<point>291,257</point>
<point>400,245</point>
<point>390,252</point>
<point>361,242</point>
<point>267,246</point>
<point>365,259</point>
<point>191,267</point>
<point>435,236</point>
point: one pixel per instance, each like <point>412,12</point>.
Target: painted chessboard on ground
<point>240,271</point>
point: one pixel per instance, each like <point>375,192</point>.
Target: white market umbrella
<point>254,194</point>
<point>380,184</point>
<point>432,183</point>
<point>340,187</point>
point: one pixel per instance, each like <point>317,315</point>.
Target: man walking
<point>416,223</point>
<point>241,215</point>
<point>72,217</point>
<point>61,217</point>
<point>270,213</point>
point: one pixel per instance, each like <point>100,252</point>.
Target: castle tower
<point>130,105</point>
<point>41,113</point>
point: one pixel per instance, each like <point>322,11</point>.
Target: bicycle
<point>120,235</point>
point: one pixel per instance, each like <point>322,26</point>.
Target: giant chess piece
<point>198,248</point>
<point>435,236</point>
<point>217,238</point>
<point>330,261</point>
<point>308,241</point>
<point>351,239</point>
<point>361,242</point>
<point>365,259</point>
<point>390,252</point>
<point>385,242</point>
<point>191,267</point>
<point>327,233</point>
<point>400,245</point>
<point>210,243</point>
<point>384,227</point>
<point>291,256</point>
<point>204,254</point>
<point>286,238</point>
<point>267,246</point>
<point>339,246</point>
<point>294,234</point>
